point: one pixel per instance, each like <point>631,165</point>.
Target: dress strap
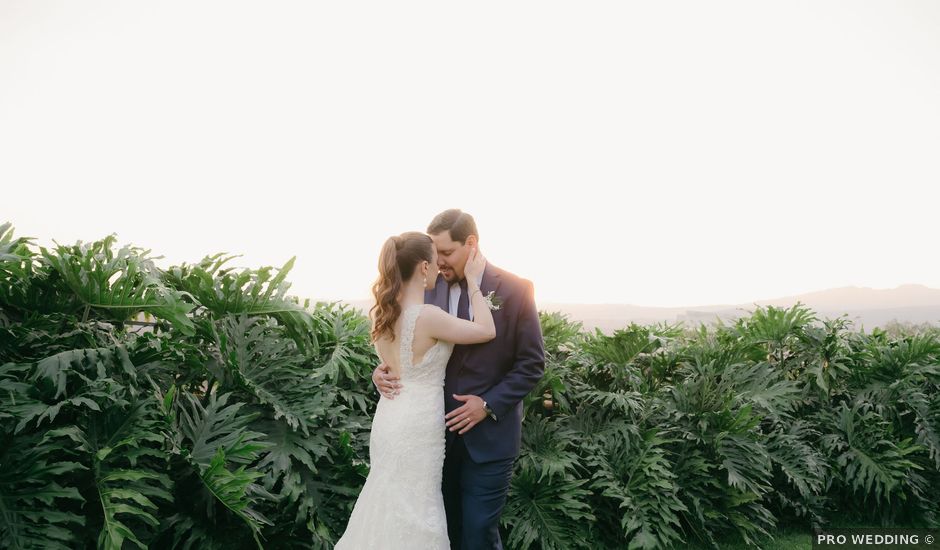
<point>409,319</point>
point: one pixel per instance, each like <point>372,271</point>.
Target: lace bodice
<point>433,365</point>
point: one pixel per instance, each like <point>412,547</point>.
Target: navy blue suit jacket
<point>502,371</point>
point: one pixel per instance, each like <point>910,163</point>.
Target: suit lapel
<point>491,279</point>
<point>442,296</point>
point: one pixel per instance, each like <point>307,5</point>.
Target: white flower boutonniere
<point>493,301</point>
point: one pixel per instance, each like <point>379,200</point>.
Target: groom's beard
<point>450,276</point>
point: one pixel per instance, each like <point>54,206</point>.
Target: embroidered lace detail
<point>409,319</point>
<point>401,505</point>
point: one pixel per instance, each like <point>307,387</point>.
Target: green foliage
<point>124,282</point>
<point>870,462</point>
<point>550,515</point>
<point>213,427</point>
<point>123,444</point>
<point>698,436</point>
<point>39,502</point>
<point>224,290</point>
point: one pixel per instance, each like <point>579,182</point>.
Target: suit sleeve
<point>529,363</point>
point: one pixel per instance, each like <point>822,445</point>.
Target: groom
<point>484,385</point>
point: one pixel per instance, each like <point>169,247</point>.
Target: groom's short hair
<point>457,222</point>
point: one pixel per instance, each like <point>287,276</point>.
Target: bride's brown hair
<point>400,256</point>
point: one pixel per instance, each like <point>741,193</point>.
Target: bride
<point>401,504</point>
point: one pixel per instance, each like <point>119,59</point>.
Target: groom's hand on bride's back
<point>386,382</point>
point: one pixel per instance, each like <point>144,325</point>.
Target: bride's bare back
<point>390,351</point>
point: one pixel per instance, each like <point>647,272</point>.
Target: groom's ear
<point>471,240</point>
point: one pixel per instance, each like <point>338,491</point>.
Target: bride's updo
<point>400,256</point>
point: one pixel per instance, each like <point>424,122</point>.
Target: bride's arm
<point>446,327</point>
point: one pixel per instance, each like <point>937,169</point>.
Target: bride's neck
<point>412,293</point>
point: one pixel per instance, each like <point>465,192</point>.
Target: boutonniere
<point>493,301</point>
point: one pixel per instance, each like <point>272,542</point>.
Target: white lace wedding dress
<point>401,505</point>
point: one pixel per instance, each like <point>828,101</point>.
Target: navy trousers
<point>474,496</point>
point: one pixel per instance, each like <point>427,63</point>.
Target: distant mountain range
<point>866,307</point>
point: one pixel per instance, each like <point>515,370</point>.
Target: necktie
<point>463,303</point>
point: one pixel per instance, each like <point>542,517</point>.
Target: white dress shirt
<point>455,295</point>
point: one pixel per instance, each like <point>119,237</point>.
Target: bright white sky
<point>655,153</point>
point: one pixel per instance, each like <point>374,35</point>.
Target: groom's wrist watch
<point>489,412</point>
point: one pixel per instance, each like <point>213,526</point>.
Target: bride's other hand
<point>385,381</point>
<point>475,264</point>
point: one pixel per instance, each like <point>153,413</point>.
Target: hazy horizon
<point>613,152</point>
<point>761,300</point>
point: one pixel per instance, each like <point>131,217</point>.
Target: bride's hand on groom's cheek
<point>387,383</point>
<point>464,418</point>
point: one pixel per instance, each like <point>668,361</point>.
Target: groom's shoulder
<point>516,282</point>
